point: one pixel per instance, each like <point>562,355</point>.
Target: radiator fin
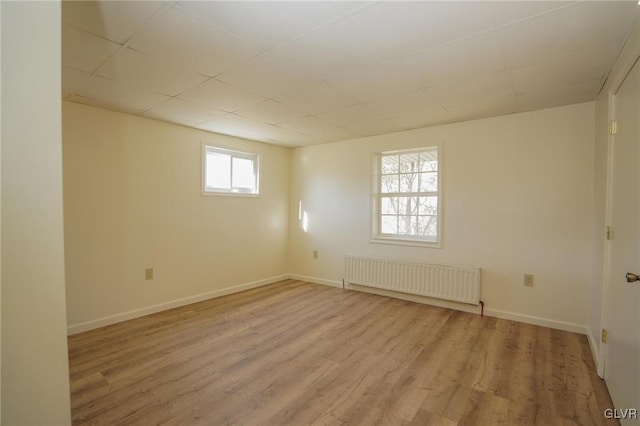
<point>456,283</point>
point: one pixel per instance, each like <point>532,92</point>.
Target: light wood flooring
<point>296,353</point>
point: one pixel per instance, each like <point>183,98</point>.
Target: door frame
<point>606,267</point>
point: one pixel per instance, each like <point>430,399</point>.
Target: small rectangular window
<point>406,201</point>
<point>230,172</point>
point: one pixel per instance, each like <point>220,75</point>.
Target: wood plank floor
<point>295,353</point>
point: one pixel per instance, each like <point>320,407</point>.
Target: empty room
<point>320,212</point>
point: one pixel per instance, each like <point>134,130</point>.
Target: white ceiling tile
<point>506,12</point>
<point>105,104</point>
<point>267,76</point>
<point>403,102</point>
<point>384,81</point>
<point>569,93</point>
<point>270,112</point>
<point>554,72</point>
<point>269,23</point>
<point>321,130</point>
<point>476,55</point>
<point>142,70</point>
<point>222,96</point>
<point>232,124</point>
<point>74,81</point>
<point>361,119</point>
<point>84,51</point>
<point>333,50</point>
<point>484,107</point>
<point>190,42</point>
<point>405,28</point>
<point>315,98</point>
<point>117,95</point>
<point>351,5</point>
<point>580,27</point>
<point>113,20</point>
<point>458,91</point>
<point>185,112</point>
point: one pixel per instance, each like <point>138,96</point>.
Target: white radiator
<point>457,283</point>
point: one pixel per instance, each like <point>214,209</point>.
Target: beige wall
<point>132,189</point>
<point>518,198</point>
<point>35,381</point>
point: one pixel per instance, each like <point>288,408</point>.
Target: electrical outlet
<point>528,280</point>
<point>148,274</point>
<point>315,254</point>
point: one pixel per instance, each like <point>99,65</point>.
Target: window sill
<point>405,242</point>
<point>229,194</point>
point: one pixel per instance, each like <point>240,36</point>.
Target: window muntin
<point>230,172</point>
<point>407,196</point>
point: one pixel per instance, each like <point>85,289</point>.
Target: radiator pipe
<point>481,308</point>
<point>343,283</point>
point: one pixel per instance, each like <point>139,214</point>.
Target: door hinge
<point>613,127</point>
<point>605,336</point>
<point>609,233</point>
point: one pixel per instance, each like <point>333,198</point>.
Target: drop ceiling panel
<point>551,73</point>
<point>484,107</point>
<point>185,112</point>
<point>381,82</point>
<point>141,70</point>
<point>268,76</point>
<point>476,55</point>
<point>113,20</point>
<point>74,81</point>
<point>423,24</point>
<point>267,24</point>
<point>270,112</point>
<point>361,119</point>
<point>333,49</point>
<point>321,130</point>
<point>469,89</point>
<point>84,51</point>
<point>192,43</point>
<point>222,96</point>
<point>506,12</point>
<point>580,27</point>
<point>116,95</point>
<point>298,73</point>
<point>571,93</point>
<point>315,98</point>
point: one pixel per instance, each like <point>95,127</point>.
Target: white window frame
<point>233,191</point>
<point>398,239</point>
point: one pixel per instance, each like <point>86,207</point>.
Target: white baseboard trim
<point>123,316</point>
<point>595,350</point>
<point>315,280</point>
<point>530,319</point>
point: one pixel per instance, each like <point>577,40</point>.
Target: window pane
<point>409,163</point>
<point>389,205</point>
<point>409,182</point>
<point>428,226</point>
<point>243,174</point>
<point>389,164</point>
<point>218,170</point>
<point>428,206</point>
<point>389,183</point>
<point>428,161</point>
<point>389,224</point>
<point>407,205</point>
<point>429,182</point>
<point>407,225</point>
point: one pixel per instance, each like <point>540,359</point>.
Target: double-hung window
<point>406,197</point>
<point>230,172</point>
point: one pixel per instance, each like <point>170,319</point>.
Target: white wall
<point>518,198</point>
<point>623,64</point>
<point>132,193</point>
<point>35,375</point>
